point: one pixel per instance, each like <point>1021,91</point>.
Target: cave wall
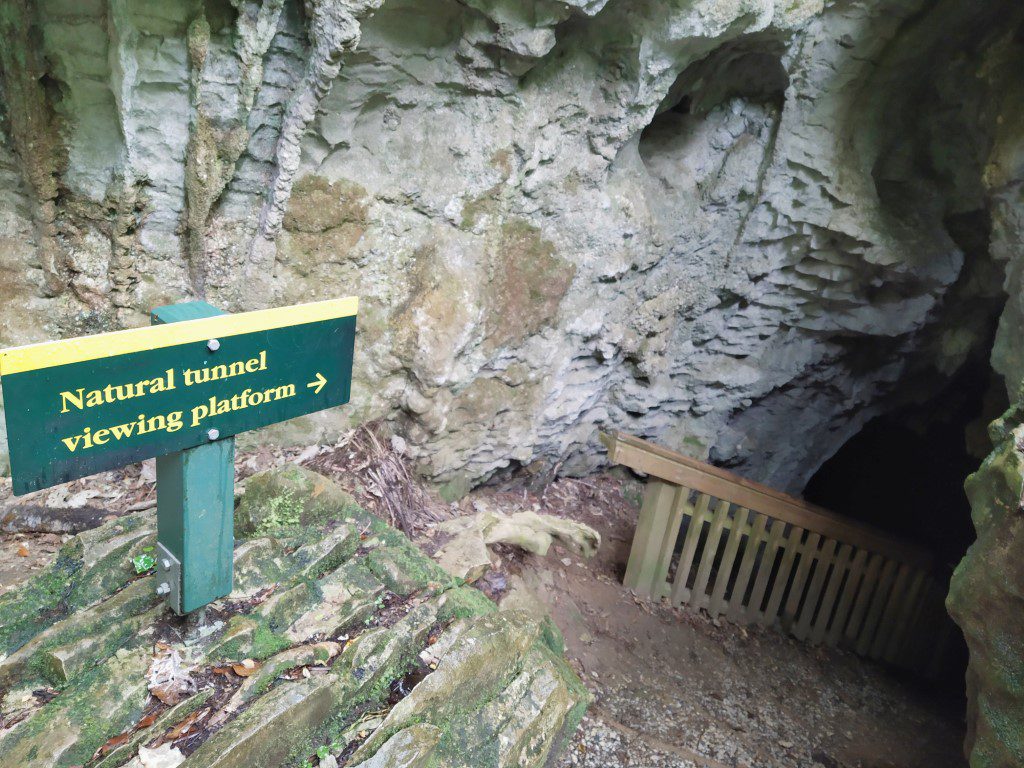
<point>665,217</point>
<point>987,592</point>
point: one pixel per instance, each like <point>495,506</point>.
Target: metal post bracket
<point>168,577</point>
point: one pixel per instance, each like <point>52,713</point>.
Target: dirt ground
<point>671,688</point>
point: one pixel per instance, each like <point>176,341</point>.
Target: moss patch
<point>527,286</point>
<point>291,498</point>
<point>324,222</point>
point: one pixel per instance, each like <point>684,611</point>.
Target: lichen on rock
<point>334,590</point>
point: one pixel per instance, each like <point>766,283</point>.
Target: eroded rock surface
<point>339,621</point>
<point>717,224</point>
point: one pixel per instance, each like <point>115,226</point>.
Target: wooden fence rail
<point>709,539</point>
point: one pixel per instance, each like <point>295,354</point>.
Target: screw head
<point>213,345</point>
<point>213,434</point>
<point>163,589</point>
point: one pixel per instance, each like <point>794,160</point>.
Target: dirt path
<point>673,688</point>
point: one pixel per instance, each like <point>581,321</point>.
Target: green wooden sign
<point>81,406</point>
<point>178,390</point>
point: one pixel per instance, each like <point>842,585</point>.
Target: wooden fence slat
<point>775,533</point>
<point>918,642</point>
<point>943,634</point>
<point>887,622</point>
<point>680,592</point>
<point>699,595</point>
<point>878,603</point>
<point>864,594</point>
<point>739,591</point>
<point>853,580</point>
<point>828,602</point>
<point>790,548</point>
<point>650,531</point>
<point>907,610</point>
<point>808,554</point>
<point>821,572</point>
<point>680,505</point>
<point>732,545</point>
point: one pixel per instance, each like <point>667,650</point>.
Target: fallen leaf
<point>145,722</point>
<point>245,668</point>
<point>219,717</point>
<point>181,728</point>
<point>111,744</point>
<point>226,671</point>
<point>22,551</point>
<point>169,680</point>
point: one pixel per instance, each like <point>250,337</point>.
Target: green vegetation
<point>143,562</point>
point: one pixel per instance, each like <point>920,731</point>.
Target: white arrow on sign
<point>317,384</point>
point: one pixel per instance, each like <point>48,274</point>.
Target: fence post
<point>651,529</point>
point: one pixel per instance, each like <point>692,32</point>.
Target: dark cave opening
<point>904,473</point>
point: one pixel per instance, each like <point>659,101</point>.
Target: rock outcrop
<point>340,639</point>
<point>714,224</point>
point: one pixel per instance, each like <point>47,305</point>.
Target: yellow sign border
<point>53,353</point>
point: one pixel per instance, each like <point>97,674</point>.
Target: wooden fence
<point>709,539</point>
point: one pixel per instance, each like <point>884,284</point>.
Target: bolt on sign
<point>178,390</point>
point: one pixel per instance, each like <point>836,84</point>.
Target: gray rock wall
<point>716,224</point>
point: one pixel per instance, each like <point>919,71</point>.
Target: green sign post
<point>178,390</point>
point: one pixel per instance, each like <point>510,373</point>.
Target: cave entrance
<point>904,473</point>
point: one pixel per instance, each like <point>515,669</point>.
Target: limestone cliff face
<point>717,224</point>
<point>728,225</point>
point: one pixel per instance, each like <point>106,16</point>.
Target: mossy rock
<point>286,499</point>
<point>331,573</point>
<point>88,568</point>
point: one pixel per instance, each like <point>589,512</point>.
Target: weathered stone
<point>257,561</point>
<point>411,747</point>
<point>401,566</point>
<point>466,556</point>
<point>269,731</point>
<point>68,730</point>
<point>284,499</point>
<point>344,596</point>
<point>61,663</point>
<point>83,638</point>
<point>87,569</point>
<point>387,597</point>
<point>532,717</point>
<point>472,670</point>
<point>172,716</point>
<point>991,576</point>
<point>261,680</point>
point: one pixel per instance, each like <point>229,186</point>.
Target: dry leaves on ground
<point>169,679</point>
